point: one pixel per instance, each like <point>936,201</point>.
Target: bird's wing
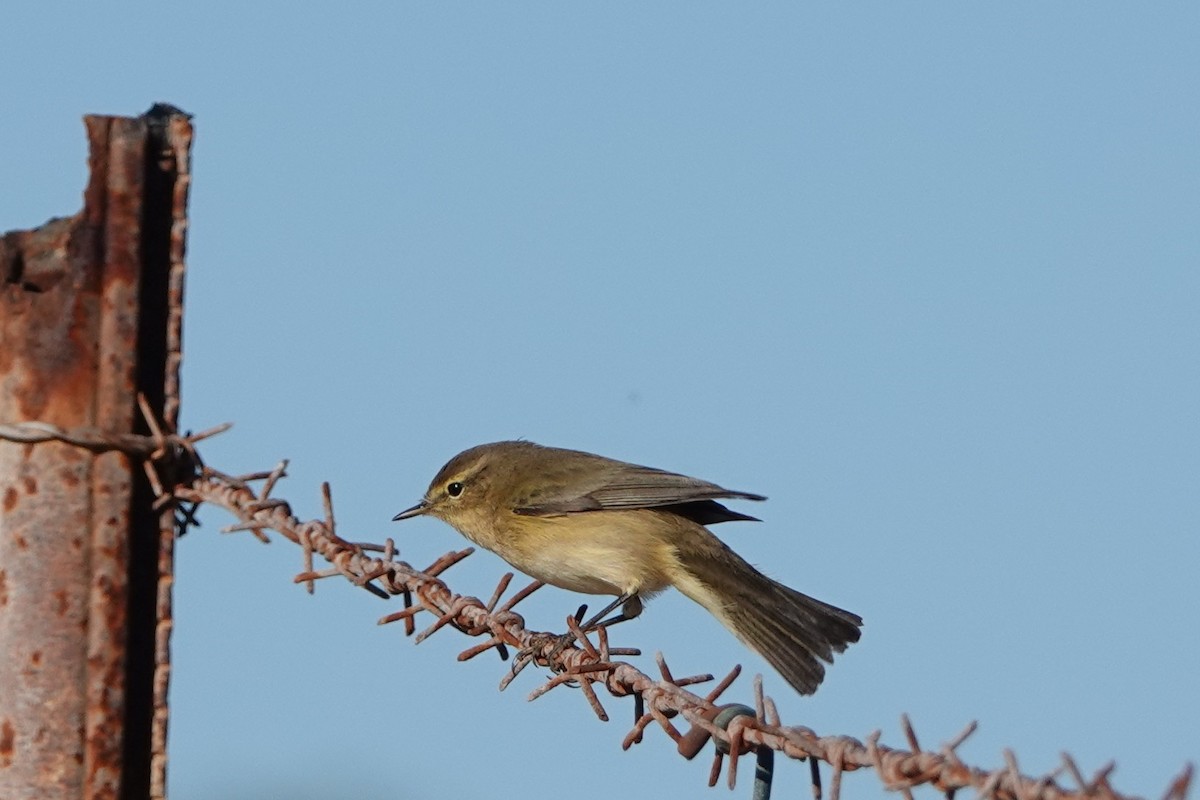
<point>629,486</point>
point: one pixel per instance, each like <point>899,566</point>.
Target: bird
<point>596,525</point>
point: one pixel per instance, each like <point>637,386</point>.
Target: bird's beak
<point>416,511</point>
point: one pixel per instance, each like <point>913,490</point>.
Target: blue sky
<point>925,275</point>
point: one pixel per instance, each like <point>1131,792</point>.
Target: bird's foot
<point>536,653</point>
<point>544,648</point>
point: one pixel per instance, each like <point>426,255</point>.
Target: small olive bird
<point>591,524</point>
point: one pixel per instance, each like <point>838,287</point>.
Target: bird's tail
<point>792,631</point>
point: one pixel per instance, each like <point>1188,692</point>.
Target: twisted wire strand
<point>656,700</point>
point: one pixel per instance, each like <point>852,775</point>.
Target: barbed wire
<point>589,665</point>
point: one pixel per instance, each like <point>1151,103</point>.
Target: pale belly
<point>588,570</point>
<point>601,553</point>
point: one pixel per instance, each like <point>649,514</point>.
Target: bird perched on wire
<point>591,524</point>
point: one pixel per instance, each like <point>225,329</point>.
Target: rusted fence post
<point>90,315</point>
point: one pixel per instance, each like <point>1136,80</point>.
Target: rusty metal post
<point>90,313</point>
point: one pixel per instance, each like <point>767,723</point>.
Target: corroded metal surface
<point>176,180</point>
<point>75,340</point>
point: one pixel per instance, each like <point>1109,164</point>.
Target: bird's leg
<point>631,606</point>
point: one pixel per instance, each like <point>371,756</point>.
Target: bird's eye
<point>454,489</point>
